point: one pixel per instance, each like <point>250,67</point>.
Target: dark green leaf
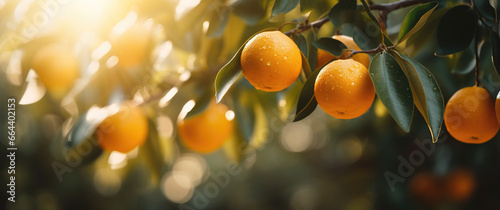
<point>370,14</point>
<point>305,65</point>
<point>392,88</point>
<point>249,10</point>
<point>464,61</point>
<point>244,116</point>
<point>230,72</point>
<point>364,32</point>
<point>333,46</point>
<point>313,50</point>
<point>427,95</point>
<point>485,9</point>
<point>319,6</point>
<point>341,12</point>
<point>218,21</point>
<point>455,30</point>
<point>422,37</point>
<point>415,19</point>
<point>201,103</point>
<point>85,126</point>
<point>301,42</point>
<point>495,50</point>
<point>283,7</point>
<point>307,102</point>
<point>80,140</point>
<point>487,74</point>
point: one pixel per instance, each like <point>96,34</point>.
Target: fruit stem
<point>476,45</point>
<point>381,47</point>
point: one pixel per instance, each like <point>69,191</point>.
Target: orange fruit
<point>424,187</point>
<point>206,132</point>
<point>123,130</point>
<point>271,61</point>
<point>497,107</point>
<point>343,89</point>
<point>324,56</point>
<point>460,184</point>
<point>131,46</point>
<point>469,115</point>
<point>56,66</point>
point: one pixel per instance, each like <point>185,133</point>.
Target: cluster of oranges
<point>456,186</point>
<point>271,61</point>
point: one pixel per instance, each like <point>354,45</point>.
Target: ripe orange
<point>324,56</point>
<point>469,116</point>
<point>123,130</point>
<point>460,184</point>
<point>207,131</point>
<point>497,107</point>
<point>344,89</point>
<point>271,61</point>
<point>131,46</point>
<point>56,66</point>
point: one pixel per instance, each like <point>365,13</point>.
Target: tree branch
<point>385,8</point>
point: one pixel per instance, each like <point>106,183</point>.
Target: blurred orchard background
<point>165,54</point>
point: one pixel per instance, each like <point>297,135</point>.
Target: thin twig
<point>379,48</point>
<point>384,8</point>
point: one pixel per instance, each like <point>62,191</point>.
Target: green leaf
<point>415,19</point>
<point>342,12</point>
<point>201,103</point>
<point>313,50</point>
<point>251,118</point>
<point>307,102</point>
<point>283,7</point>
<point>218,21</point>
<point>486,10</point>
<point>455,30</point>
<point>305,65</point>
<point>301,43</point>
<point>81,136</point>
<point>495,50</point>
<point>261,131</point>
<point>370,14</point>
<point>487,74</point>
<point>230,72</point>
<point>464,61</point>
<point>244,115</point>
<point>427,95</point>
<point>392,88</point>
<point>366,35</point>
<point>333,46</point>
<point>415,42</point>
<point>250,11</point>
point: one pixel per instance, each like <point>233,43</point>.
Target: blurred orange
<point>123,130</point>
<point>206,132</point>
<point>56,66</point>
